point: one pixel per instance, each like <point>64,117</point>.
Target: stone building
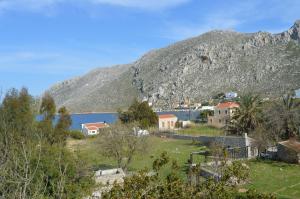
<point>289,151</point>
<point>222,114</point>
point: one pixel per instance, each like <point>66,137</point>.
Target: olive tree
<point>121,142</point>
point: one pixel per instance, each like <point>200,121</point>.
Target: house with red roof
<point>93,128</point>
<point>167,122</point>
<point>223,113</point>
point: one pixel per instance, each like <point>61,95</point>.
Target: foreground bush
<point>76,135</point>
<point>147,184</point>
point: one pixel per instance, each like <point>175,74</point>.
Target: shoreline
<point>94,113</point>
<point>111,112</point>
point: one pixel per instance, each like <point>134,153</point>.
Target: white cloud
<point>50,5</point>
<point>6,5</point>
<point>143,4</point>
<point>233,17</point>
<point>21,56</point>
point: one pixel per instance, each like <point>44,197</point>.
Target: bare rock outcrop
<point>196,68</point>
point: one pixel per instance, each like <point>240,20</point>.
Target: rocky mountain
<point>196,68</point>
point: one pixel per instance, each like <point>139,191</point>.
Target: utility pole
<point>189,105</point>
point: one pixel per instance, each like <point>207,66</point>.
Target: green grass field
<point>201,129</point>
<point>265,176</point>
<point>178,150</point>
<point>278,178</point>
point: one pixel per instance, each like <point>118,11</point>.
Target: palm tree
<point>247,117</point>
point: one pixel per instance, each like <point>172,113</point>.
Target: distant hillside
<point>196,68</point>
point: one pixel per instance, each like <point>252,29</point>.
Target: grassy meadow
<point>279,178</point>
<point>201,129</point>
<point>178,150</point>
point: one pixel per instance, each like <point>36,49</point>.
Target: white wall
<point>167,123</point>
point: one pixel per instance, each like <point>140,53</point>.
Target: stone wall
<point>238,146</point>
<point>226,141</point>
<point>287,155</point>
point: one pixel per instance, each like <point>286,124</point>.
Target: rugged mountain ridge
<point>196,68</point>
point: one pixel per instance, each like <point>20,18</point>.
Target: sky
<point>43,42</point>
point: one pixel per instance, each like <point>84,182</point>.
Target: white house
<point>231,95</point>
<point>210,108</point>
<point>93,128</point>
<point>167,122</point>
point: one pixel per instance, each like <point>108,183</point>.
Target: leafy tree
<point>63,124</point>
<point>16,107</point>
<point>247,117</point>
<point>283,117</point>
<point>139,112</point>
<point>48,108</point>
<point>121,143</point>
<point>30,166</point>
<point>204,114</point>
<point>47,111</point>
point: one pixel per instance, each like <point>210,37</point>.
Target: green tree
<point>16,107</point>
<point>48,108</point>
<point>204,114</point>
<point>47,112</point>
<point>121,143</point>
<point>139,112</point>
<point>30,166</point>
<point>247,117</point>
<point>283,117</point>
<point>63,125</point>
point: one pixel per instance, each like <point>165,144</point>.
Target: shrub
<point>76,135</point>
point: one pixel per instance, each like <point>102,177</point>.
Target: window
<point>163,124</point>
<point>226,112</point>
<point>168,124</point>
<point>220,121</point>
<point>172,123</point>
<point>219,112</point>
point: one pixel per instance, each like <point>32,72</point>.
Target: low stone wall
<point>287,155</point>
<point>206,173</point>
<point>237,146</point>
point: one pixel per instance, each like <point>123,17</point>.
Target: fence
<point>237,146</point>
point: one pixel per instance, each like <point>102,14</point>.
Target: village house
<point>93,128</point>
<point>231,95</point>
<point>289,151</point>
<point>223,113</point>
<point>167,122</point>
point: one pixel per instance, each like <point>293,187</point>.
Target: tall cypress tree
<point>63,125</point>
<point>47,110</point>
